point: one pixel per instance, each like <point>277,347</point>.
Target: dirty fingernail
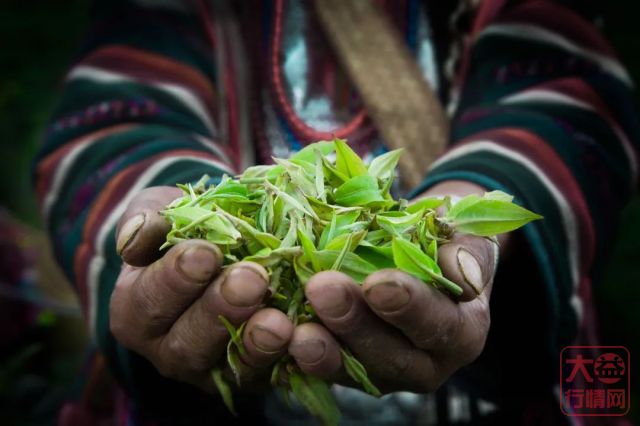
<point>266,340</point>
<point>470,269</point>
<point>308,351</point>
<point>388,297</point>
<point>243,287</point>
<point>198,264</point>
<point>129,231</point>
<point>334,301</point>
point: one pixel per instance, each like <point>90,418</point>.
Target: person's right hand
<point>166,306</point>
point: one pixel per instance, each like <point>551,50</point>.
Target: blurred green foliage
<point>39,38</point>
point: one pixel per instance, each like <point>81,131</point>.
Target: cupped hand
<point>408,335</point>
<point>165,306</point>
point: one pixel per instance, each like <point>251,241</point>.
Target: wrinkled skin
<point>409,336</point>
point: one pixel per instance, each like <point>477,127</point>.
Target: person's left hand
<point>408,335</point>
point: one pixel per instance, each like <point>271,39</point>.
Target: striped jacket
<point>165,91</point>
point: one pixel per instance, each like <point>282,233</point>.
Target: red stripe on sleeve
<point>46,168</point>
<point>119,186</point>
<point>151,67</point>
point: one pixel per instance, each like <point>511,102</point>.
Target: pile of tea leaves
<point>325,209</point>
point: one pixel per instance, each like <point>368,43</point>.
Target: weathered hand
<point>166,307</point>
<point>408,335</point>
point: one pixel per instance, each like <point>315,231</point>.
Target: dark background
<point>38,39</point>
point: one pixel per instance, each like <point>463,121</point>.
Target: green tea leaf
<point>346,246</point>
<point>462,204</point>
<point>303,273</point>
<point>217,238</point>
<point>253,172</point>
<point>322,209</point>
<point>349,240</point>
<point>377,237</point>
<point>275,172</point>
<point>319,177</point>
<point>248,231</point>
<point>200,185</point>
<point>289,240</point>
<point>432,250</point>
<point>308,152</point>
<point>384,166</point>
<point>352,264</point>
<point>234,334</point>
<point>328,232</point>
<point>223,389</point>
<point>295,304</point>
<point>266,214</point>
<point>231,188</point>
<point>409,258</point>
<point>397,223</point>
<point>425,204</point>
<point>315,395</point>
<point>357,372</point>
<point>433,229</point>
<point>488,217</point>
<point>332,174</point>
<point>233,359</point>
<point>275,279</point>
<point>498,195</point>
<point>343,223</point>
<point>299,177</point>
<point>188,217</point>
<point>267,240</point>
<point>355,227</point>
<point>275,374</point>
<point>270,258</point>
<point>291,201</point>
<point>358,191</point>
<point>309,249</point>
<point>381,257</point>
<point>347,161</point>
<point>307,166</point>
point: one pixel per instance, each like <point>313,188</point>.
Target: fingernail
<point>243,287</point>
<point>470,269</point>
<point>198,264</point>
<point>308,351</point>
<point>388,297</point>
<point>266,340</point>
<point>333,301</point>
<point>129,231</point>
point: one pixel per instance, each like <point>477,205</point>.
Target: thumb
<point>141,230</point>
<point>470,262</point>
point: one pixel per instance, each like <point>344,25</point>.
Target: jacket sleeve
<point>546,113</point>
<point>138,108</point>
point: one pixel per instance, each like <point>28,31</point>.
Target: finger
<point>316,351</point>
<point>428,317</point>
<point>387,354</point>
<point>198,339</point>
<point>266,337</point>
<point>146,301</point>
<point>471,262</point>
<point>141,230</point>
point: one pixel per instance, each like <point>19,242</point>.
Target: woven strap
<point>403,107</point>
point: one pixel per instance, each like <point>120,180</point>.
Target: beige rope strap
<point>399,100</point>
